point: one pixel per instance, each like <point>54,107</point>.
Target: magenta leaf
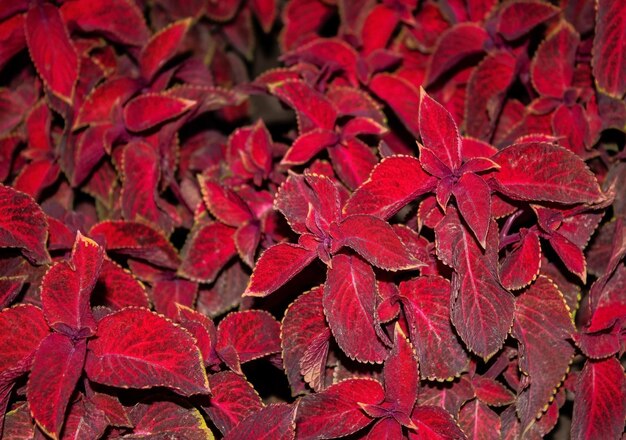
<point>608,48</point>
<point>52,50</point>
<point>473,198</point>
<point>336,412</point>
<point>599,408</point>
<point>233,398</point>
<point>252,334</point>
<point>439,132</point>
<point>57,366</point>
<point>349,305</point>
<point>66,289</point>
<point>479,421</point>
<point>136,348</point>
<point>542,326</point>
<point>492,392</point>
<point>401,95</point>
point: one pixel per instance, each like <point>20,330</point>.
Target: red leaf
<point>136,348</point>
<point>84,420</point>
<point>353,161</point>
<point>401,374</point>
<point>335,412</point>
<point>255,426</point>
<point>434,423</point>
<point>52,50</point>
<point>439,132</point>
<point>23,225</point>
<point>265,12</point>
<point>519,17</point>
<point>168,420</point>
<point>10,287</point>
<point>313,109</point>
<point>208,248</point>
<point>600,405</point>
<point>167,295</point>
<point>57,366</point>
<point>552,68</point>
<point>393,183</point>
<point>66,289</point>
<point>224,203</point>
<point>375,240</point>
<point>203,330</point>
<point>481,310</point>
<point>385,429</point>
<point>22,328</point>
<point>151,109</point>
<point>118,288</point>
<point>137,240</point>
<point>19,423</point>
<point>222,11</point>
<point>290,258</point>
<point>449,395</point>
<point>12,38</point>
<point>521,266</point>
<point>542,326</point>
<point>478,421</point>
<point>473,198</point>
<point>233,398</point>
<point>570,254</point>
<point>98,105</point>
<point>486,92</point>
<point>120,20</point>
<point>609,49</point>
<point>401,95</point>
<point>349,305</point>
<point>492,392</point>
<point>252,333</point>
<point>427,306</point>
<point>247,238</point>
<point>305,340</point>
<point>544,172</point>
<point>308,145</point>
<point>162,47</point>
<point>454,45</point>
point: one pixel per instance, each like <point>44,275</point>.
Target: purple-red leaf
<point>118,288</point>
<point>252,333</point>
<point>52,50</point>
<point>434,423</point>
<point>401,95</point>
<point>401,374</point>
<point>162,47</point>
<point>335,412</point>
<point>57,366</point>
<point>290,258</point>
<point>473,198</point>
<point>224,203</point>
<point>350,304</point>
<point>478,421</point>
<point>609,48</point>
<point>518,17</point>
<point>136,348</point>
<point>167,420</point>
<point>313,109</point>
<point>151,109</point>
<point>439,132</point>
<point>521,266</point>
<point>255,426</point>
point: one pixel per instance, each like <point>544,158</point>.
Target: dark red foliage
<point>312,219</point>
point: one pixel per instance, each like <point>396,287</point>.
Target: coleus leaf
<point>224,203</point>
<point>559,176</point>
<point>134,348</point>
<point>312,108</point>
<point>254,426</point>
<point>492,392</point>
<point>165,419</point>
<point>401,95</point>
<point>233,398</point>
<point>57,366</point>
<point>137,240</point>
<point>439,131</point>
<point>52,50</point>
<point>24,323</point>
<point>375,241</point>
<point>305,339</point>
<point>473,198</point>
<point>335,412</point>
<point>162,47</point>
<point>98,105</point>
<point>608,48</point>
<point>543,326</point>
<point>66,289</point>
<point>434,423</point>
<point>599,408</point>
<point>385,429</point>
<point>290,257</point>
<point>118,288</point>
<point>167,295</point>
<point>10,287</point>
<point>518,17</point>
<point>119,20</point>
<point>352,160</point>
<point>401,374</point>
<point>521,266</point>
<point>203,330</point>
<point>23,225</point>
<point>208,248</point>
<point>252,334</point>
<point>479,421</point>
<point>12,37</point>
<point>349,305</point>
<point>151,109</point>
<point>449,395</point>
<point>84,420</point>
<point>426,303</point>
<point>384,194</point>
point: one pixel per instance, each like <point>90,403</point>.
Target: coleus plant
<point>312,219</point>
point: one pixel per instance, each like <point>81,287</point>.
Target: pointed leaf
<point>492,392</point>
<point>23,225</point>
<point>312,108</point>
<point>478,421</point>
<point>283,426</point>
<point>208,248</point>
<point>303,324</point>
<point>224,203</point>
<point>56,369</point>
<point>66,289</point>
<point>353,160</point>
<point>52,50</point>
<point>233,398</point>
<point>521,266</point>
<point>401,374</point>
<point>349,304</point>
<point>473,198</point>
<point>434,423</point>
<point>335,412</point>
<point>252,333</point>
<point>394,182</point>
<point>571,255</point>
<point>167,295</point>
<point>544,172</point>
<point>600,404</point>
<point>136,348</point>
<point>118,288</point>
<point>609,48</point>
<point>543,326</point>
<point>103,99</point>
<point>162,47</point>
<point>427,306</point>
<point>518,17</point>
<point>401,95</point>
<point>290,258</point>
<point>439,132</point>
<point>166,419</point>
<point>151,109</point>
